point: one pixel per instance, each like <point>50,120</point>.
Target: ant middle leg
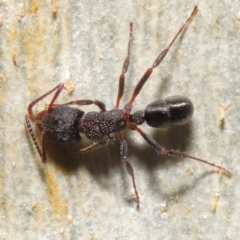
<point>162,150</point>
<point>124,156</point>
<point>85,102</point>
<point>93,146</point>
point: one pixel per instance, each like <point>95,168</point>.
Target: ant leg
<point>158,60</point>
<point>83,102</point>
<point>124,156</point>
<point>160,149</point>
<point>29,115</point>
<point>124,69</point>
<point>58,90</point>
<point>42,153</point>
<point>93,146</point>
<point>30,130</point>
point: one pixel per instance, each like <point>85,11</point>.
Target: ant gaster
<point>64,124</point>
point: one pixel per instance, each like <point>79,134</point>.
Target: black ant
<point>65,124</point>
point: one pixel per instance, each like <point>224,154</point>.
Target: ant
<point>64,124</point>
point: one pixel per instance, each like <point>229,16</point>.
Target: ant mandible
<point>65,124</point>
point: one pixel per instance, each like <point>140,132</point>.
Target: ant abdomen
<point>173,111</point>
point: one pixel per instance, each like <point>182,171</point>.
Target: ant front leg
<point>162,150</point>
<point>124,156</point>
<point>124,69</point>
<point>41,152</point>
<point>58,90</point>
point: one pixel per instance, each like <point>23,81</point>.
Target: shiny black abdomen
<point>174,110</point>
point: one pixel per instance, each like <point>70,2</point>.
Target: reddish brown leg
<point>124,156</point>
<point>93,146</point>
<point>160,149</point>
<point>158,60</point>
<point>124,69</point>
<point>59,88</point>
<point>96,145</point>
<point>83,102</point>
<point>30,130</point>
<point>41,152</point>
<point>123,146</point>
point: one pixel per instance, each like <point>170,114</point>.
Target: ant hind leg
<point>162,150</point>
